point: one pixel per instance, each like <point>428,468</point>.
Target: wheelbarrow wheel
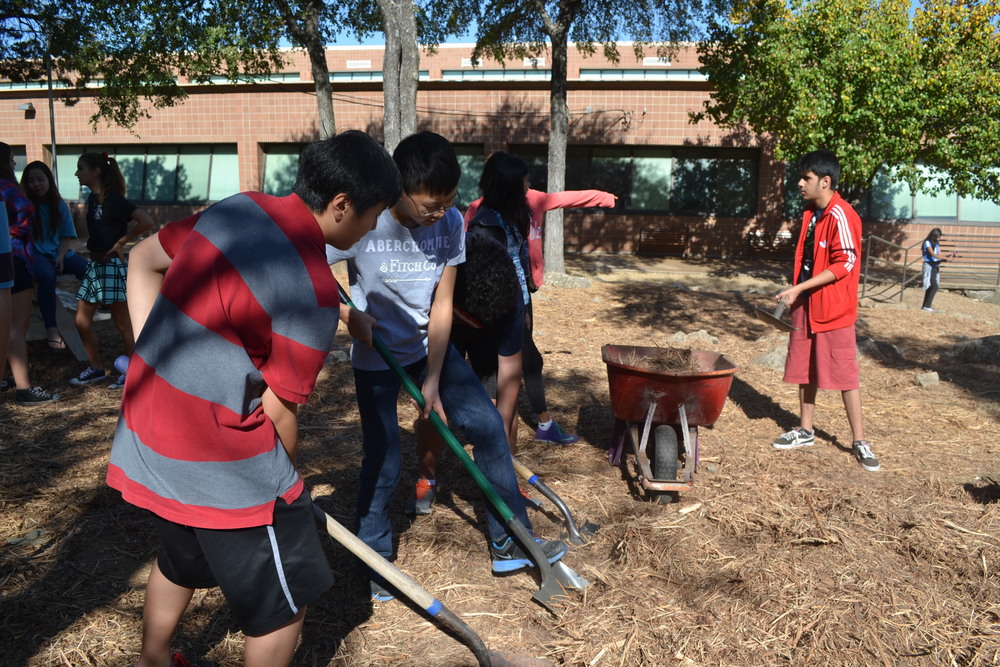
<point>665,459</point>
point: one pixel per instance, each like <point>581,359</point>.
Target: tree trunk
<point>324,91</point>
<point>558,137</point>
<point>399,71</point>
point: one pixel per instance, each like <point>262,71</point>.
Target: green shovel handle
<point>411,388</point>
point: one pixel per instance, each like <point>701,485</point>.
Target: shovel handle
<point>411,388</point>
<point>405,585</point>
<point>779,309</point>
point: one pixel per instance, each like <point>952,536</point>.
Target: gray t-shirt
<point>393,272</point>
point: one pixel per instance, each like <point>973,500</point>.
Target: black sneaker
<point>34,396</point>
<point>381,590</point>
<point>797,437</point>
<point>90,375</point>
<point>509,556</point>
<point>863,453</point>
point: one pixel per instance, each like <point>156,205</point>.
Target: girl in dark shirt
<point>108,218</point>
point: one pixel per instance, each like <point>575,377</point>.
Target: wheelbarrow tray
<point>633,388</point>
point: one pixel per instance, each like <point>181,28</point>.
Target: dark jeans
<point>531,364</point>
<point>45,274</point>
<point>467,406</point>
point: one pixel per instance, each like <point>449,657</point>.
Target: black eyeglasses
<point>424,213</point>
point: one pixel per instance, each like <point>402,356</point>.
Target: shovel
<point>774,319</point>
<point>422,598</point>
<point>554,577</point>
<point>575,535</point>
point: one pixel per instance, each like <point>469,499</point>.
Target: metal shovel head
<point>579,535</point>
<point>774,319</point>
<point>568,578</point>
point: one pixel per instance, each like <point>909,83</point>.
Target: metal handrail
<point>903,281</point>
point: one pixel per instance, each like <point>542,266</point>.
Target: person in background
<point>53,230</point>
<point>488,327</point>
<point>506,189</point>
<point>109,215</point>
<point>20,214</point>
<point>931,250</point>
<point>822,350</point>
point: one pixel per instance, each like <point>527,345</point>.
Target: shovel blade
<point>568,578</point>
<point>580,535</point>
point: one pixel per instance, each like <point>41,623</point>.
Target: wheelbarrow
<point>655,405</point>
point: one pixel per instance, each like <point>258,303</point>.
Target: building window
<point>281,164</point>
<point>616,74</point>
<point>671,181</point>
<point>471,159</point>
<point>496,75</point>
<point>890,199</point>
<point>162,173</point>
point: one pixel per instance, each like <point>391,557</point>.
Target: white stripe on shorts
<point>280,570</point>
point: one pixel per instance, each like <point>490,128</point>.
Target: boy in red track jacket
<point>822,352</point>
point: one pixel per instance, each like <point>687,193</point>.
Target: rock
<point>677,285</point>
<point>338,355</point>
<point>976,351</point>
<point>566,280</point>
<point>988,296</point>
<point>703,335</point>
<point>927,379</point>
<point>774,358</point>
<point>700,335</point>
<point>878,349</point>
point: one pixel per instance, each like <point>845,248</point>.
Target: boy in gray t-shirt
<point>402,276</point>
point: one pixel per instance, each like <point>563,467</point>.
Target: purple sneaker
<point>556,435</point>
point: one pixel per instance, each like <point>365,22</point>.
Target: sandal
<point>56,343</point>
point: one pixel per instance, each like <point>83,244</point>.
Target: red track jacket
<point>836,246</point>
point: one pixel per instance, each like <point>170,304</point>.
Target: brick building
<point>716,193</point>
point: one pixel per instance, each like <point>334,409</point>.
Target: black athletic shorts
<point>267,573</point>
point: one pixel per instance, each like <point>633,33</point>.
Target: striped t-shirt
<point>248,303</point>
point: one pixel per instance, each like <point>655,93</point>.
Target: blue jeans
<point>45,274</point>
<point>467,406</point>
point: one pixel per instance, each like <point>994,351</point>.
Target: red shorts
<point>828,360</point>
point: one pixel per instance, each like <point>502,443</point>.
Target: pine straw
<point>774,558</point>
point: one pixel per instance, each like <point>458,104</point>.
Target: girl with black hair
<point>931,250</point>
<point>53,230</point>
<point>108,218</point>
<point>512,212</point>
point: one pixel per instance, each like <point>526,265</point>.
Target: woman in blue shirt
<point>53,231</point>
<point>932,265</point>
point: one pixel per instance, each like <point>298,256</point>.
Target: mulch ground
<point>773,558</point>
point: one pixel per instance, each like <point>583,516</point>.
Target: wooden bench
<point>662,241</point>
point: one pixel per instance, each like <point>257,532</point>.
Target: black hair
<point>111,175</point>
<point>351,163</point>
<point>6,153</point>
<point>822,163</point>
<point>51,198</point>
<point>427,163</point>
<point>934,235</point>
<point>486,285</point>
<point>502,184</point>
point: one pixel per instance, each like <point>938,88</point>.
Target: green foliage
<point>135,49</point>
<point>516,29</point>
<point>884,88</point>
